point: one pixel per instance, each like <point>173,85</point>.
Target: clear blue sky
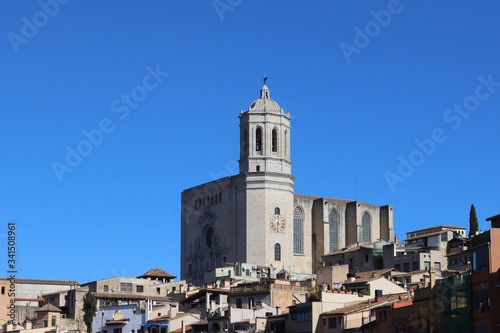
<point>361,87</point>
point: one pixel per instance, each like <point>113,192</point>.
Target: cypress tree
<point>473,228</point>
<point>89,308</point>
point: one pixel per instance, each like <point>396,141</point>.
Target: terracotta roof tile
<point>157,272</point>
<point>378,273</point>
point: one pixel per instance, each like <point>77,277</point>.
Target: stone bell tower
<point>266,190</point>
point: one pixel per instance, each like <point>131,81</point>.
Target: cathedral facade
<point>256,217</point>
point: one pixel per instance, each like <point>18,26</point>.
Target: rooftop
<point>157,273</point>
<point>387,300</point>
<point>443,226</point>
<point>351,248</point>
<point>49,308</point>
<point>41,281</point>
<point>311,197</point>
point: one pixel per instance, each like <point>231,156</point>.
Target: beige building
<point>256,217</point>
<point>25,295</point>
<point>154,283</point>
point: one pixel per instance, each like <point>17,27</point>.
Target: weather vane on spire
<point>265,78</point>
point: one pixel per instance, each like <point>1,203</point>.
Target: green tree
<point>473,228</point>
<point>89,309</point>
<point>313,297</point>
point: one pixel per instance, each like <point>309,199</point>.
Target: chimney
<point>432,273</point>
<point>173,310</point>
<point>351,277</point>
<point>378,296</point>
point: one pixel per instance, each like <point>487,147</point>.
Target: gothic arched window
<point>276,211</point>
<point>277,252</point>
<point>297,230</point>
<point>258,139</point>
<point>275,140</point>
<point>365,228</point>
<point>332,222</point>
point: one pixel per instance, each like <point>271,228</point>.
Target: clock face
<point>278,223</point>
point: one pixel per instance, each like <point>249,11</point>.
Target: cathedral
<point>255,216</point>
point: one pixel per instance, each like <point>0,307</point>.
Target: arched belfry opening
<point>275,140</point>
<point>258,139</point>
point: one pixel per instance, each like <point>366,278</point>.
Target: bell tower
<point>265,136</point>
<point>265,192</point>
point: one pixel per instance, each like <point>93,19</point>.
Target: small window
<point>53,321</point>
<point>158,291</point>
<point>366,258</point>
<point>277,252</point>
<point>239,303</point>
<point>276,211</point>
<point>258,168</point>
<point>105,288</point>
<point>125,287</point>
<point>139,289</point>
<point>3,290</point>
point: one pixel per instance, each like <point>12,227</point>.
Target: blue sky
<point>392,103</point>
